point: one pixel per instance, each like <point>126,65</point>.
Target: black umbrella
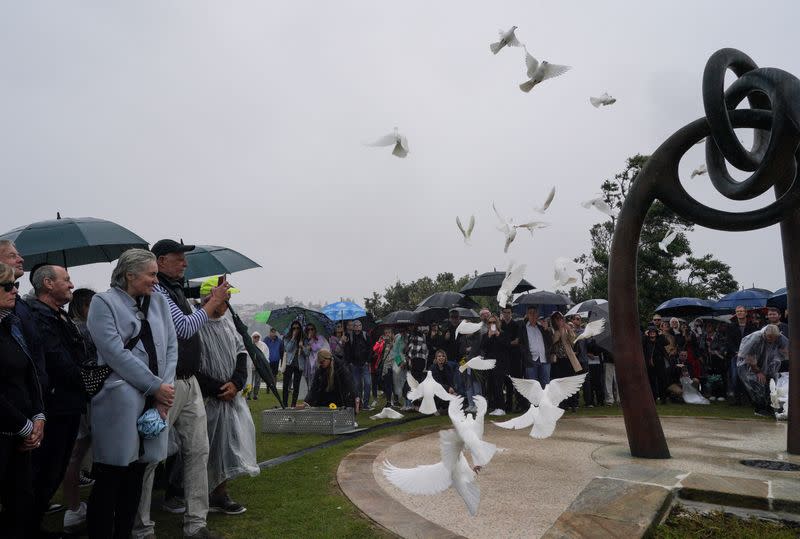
<point>259,360</point>
<point>603,340</point>
<point>685,307</point>
<point>488,284</point>
<point>542,297</point>
<point>399,317</point>
<point>448,300</point>
<point>586,308</point>
<point>210,260</point>
<point>429,315</point>
<point>72,241</point>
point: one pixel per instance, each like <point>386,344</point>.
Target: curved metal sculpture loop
<point>774,113</point>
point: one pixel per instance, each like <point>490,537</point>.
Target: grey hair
<point>131,261</point>
<point>6,243</point>
<point>42,273</point>
<point>772,329</point>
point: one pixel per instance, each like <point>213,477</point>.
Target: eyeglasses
<point>8,287</point>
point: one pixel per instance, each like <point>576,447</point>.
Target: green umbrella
<point>209,260</point>
<point>282,318</point>
<point>263,316</point>
<point>72,241</point>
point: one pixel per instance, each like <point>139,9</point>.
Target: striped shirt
<point>186,325</point>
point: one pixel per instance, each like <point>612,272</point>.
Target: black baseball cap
<point>165,247</point>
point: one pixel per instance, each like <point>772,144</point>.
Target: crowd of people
<point>139,373</point>
<point>725,360</point>
<point>130,375</point>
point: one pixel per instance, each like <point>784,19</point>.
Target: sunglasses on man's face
<point>8,287</point>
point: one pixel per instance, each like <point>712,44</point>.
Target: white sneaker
<point>497,411</point>
<point>73,519</point>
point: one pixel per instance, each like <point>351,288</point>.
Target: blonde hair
<point>6,273</point>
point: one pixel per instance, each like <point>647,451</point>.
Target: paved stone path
<point>527,487</point>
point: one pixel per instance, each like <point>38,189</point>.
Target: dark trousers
<point>256,383</point>
<point>16,489</point>
<point>114,500</point>
<point>562,368</point>
<point>375,385</point>
<point>498,380</point>
<point>658,381</point>
<point>51,459</point>
<point>387,386</point>
<point>291,376</point>
<point>593,386</point>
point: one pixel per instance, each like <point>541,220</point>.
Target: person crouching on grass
<point>332,384</point>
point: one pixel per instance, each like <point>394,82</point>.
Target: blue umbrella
<point>752,298</point>
<point>686,307</point>
<point>778,299</point>
<point>344,310</point>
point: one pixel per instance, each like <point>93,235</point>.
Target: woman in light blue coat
<point>120,454</point>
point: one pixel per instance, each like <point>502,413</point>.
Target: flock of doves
<point>454,470</point>
<point>537,72</point>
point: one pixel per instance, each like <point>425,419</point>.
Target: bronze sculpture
<point>774,113</point>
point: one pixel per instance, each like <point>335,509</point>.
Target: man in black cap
<point>188,415</point>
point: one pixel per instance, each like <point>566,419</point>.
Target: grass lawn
<point>682,524</point>
<point>301,498</point>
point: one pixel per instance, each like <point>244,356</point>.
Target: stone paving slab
<point>613,508</point>
<point>725,490</point>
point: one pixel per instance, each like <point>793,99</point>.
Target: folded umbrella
<point>259,359</point>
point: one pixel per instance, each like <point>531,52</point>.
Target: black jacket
<point>498,347</point>
<point>342,393</point>
<point>64,352</point>
<point>654,351</point>
<point>20,389</point>
<point>735,336</point>
<point>524,345</point>
<point>357,350</point>
<point>30,332</point>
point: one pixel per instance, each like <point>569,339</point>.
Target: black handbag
<point>94,375</point>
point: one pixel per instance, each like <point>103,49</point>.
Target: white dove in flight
<point>467,328</point>
<point>549,200</point>
<point>478,363</point>
<point>599,204</point>
<point>592,329</point>
<point>510,282</point>
<point>537,72</point>
<point>507,39</point>
<point>426,390</point>
<point>564,272</point>
<point>669,238</point>
<point>533,225</point>
<point>467,233</point>
<point>387,413</point>
<point>544,411</point>
<point>699,171</point>
<point>400,143</point>
<point>470,429</point>
<point>506,227</point>
<point>603,100</point>
<point>452,471</point>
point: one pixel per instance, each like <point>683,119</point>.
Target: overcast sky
<point>241,124</point>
